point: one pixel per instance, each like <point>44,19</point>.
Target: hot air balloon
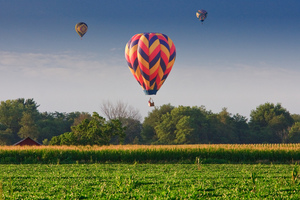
<point>201,15</point>
<point>150,58</point>
<point>81,28</point>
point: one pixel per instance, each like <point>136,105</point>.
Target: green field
<point>149,181</point>
<point>266,171</point>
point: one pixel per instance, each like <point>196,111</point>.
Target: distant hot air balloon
<point>81,28</point>
<point>150,58</point>
<point>201,15</point>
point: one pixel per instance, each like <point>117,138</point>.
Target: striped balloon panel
<point>150,58</point>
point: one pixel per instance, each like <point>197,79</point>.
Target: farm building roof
<point>27,141</point>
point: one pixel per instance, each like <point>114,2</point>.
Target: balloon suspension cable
<point>151,102</point>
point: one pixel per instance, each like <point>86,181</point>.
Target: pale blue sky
<point>245,54</point>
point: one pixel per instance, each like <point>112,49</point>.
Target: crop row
<point>151,154</point>
<point>149,181</point>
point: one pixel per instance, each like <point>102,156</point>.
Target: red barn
<point>27,141</point>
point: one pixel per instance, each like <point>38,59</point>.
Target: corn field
<point>206,153</point>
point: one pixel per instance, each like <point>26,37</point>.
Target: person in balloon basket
<point>151,103</point>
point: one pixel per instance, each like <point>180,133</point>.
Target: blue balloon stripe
<point>143,54</point>
<point>172,56</point>
<point>167,38</point>
<point>129,65</point>
<point>164,77</point>
<point>150,92</point>
<point>163,65</point>
<point>146,76</point>
<point>152,40</point>
<point>146,35</point>
<point>155,86</point>
<point>134,42</point>
<point>162,42</point>
<point>152,81</point>
<point>135,65</point>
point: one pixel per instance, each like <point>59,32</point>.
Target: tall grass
<point>208,153</point>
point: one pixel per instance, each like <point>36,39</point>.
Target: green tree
<point>228,128</point>
<point>270,123</point>
<point>132,130</point>
<point>165,130</point>
<point>31,107</point>
<point>94,131</point>
<point>241,129</point>
<point>296,117</point>
<point>148,133</point>
<point>183,125</point>
<point>6,136</point>
<point>225,128</point>
<point>28,127</point>
<point>294,133</point>
<point>79,117</point>
<point>11,114</point>
<point>220,127</point>
<point>56,123</point>
<point>49,126</point>
<point>184,130</point>
<point>215,129</point>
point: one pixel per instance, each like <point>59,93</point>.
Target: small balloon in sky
<point>150,58</point>
<point>81,28</point>
<point>201,15</point>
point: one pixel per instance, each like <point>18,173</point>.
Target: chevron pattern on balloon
<point>150,58</point>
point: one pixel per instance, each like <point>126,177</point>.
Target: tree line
<point>167,124</point>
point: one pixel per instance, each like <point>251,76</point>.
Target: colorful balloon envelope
<point>81,28</point>
<point>150,58</point>
<point>201,15</point>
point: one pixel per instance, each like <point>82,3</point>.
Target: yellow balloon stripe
<point>153,46</point>
<point>155,67</point>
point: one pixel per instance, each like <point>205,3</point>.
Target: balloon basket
<point>150,103</point>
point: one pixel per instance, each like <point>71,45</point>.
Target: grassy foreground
<point>256,153</point>
<point>149,181</point>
